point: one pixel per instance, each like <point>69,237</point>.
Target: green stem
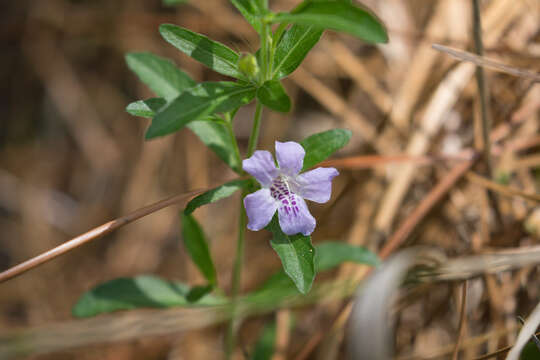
<point>230,336</point>
<point>254,137</point>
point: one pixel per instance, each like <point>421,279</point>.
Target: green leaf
<point>320,146</point>
<point>197,247</point>
<point>197,292</point>
<point>218,136</point>
<point>213,131</point>
<point>339,16</point>
<point>265,346</point>
<point>329,255</point>
<point>160,74</point>
<point>146,108</point>
<point>332,254</point>
<point>138,292</point>
<point>216,56</point>
<point>173,2</point>
<point>293,48</point>
<point>296,254</point>
<point>250,11</point>
<point>273,95</point>
<point>197,103</point>
<point>211,196</point>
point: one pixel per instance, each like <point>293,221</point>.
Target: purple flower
<point>284,189</point>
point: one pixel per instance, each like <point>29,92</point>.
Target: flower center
<point>281,192</point>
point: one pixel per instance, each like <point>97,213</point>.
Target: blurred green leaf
<point>320,146</point>
<point>297,256</point>
<point>216,56</point>
<point>197,247</point>
<point>197,292</point>
<point>273,95</point>
<point>139,292</point>
<point>332,254</point>
<point>293,48</point>
<point>265,345</point>
<point>218,136</point>
<point>218,193</point>
<point>173,2</point>
<point>339,16</point>
<point>530,352</point>
<point>146,108</point>
<point>250,11</point>
<point>197,103</point>
<point>160,74</point>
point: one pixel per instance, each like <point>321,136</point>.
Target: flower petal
<point>290,157</point>
<point>261,166</point>
<point>295,217</point>
<point>260,208</point>
<point>316,185</point>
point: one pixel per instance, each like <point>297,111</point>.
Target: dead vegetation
<point>423,169</point>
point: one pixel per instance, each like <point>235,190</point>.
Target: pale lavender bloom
<point>284,189</point>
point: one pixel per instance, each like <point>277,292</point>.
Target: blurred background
<point>71,158</point>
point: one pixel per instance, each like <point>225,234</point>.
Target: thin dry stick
<point>462,317</point>
<point>487,63</point>
<point>501,189</point>
<point>95,233</point>
<point>408,225</point>
<point>485,116</point>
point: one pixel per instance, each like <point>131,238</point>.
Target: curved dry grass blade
<point>369,334</point>
<point>525,334</point>
<point>467,267</point>
<point>487,63</point>
<point>96,233</point>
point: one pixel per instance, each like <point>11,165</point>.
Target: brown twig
<point>94,234</point>
<point>408,225</point>
<point>501,189</point>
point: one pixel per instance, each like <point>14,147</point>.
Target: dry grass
<point>71,159</point>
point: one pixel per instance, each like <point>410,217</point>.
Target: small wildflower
<point>284,189</point>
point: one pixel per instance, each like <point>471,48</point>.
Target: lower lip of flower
<point>281,192</point>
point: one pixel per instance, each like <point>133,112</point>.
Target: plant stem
<point>254,137</point>
<point>230,337</point>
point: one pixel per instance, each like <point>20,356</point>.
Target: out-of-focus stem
<point>485,117</point>
<point>254,137</point>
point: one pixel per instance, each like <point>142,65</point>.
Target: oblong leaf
<point>198,102</point>
<point>213,54</point>
<point>146,108</point>
<point>212,131</point>
<point>160,74</point>
<point>273,95</point>
<point>329,255</point>
<point>297,256</point>
<point>197,247</point>
<point>216,194</point>
<point>139,292</point>
<point>293,48</point>
<point>339,16</point>
<point>320,146</point>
